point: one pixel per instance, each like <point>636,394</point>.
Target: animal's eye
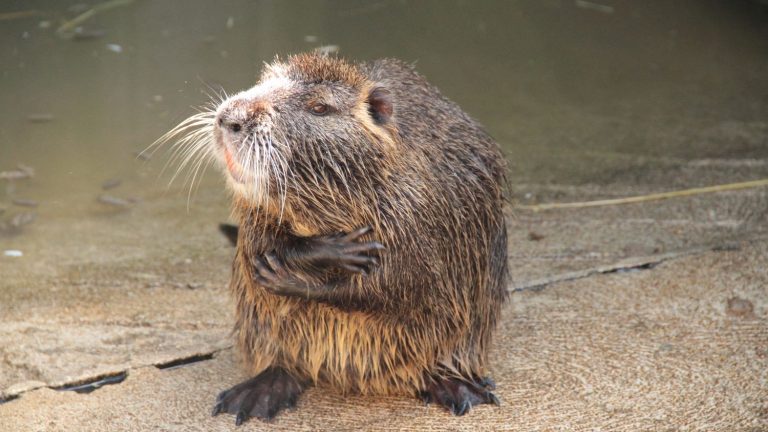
<point>319,109</point>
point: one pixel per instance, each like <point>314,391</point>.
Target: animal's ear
<point>380,105</point>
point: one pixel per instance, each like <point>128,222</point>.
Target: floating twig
<point>644,198</point>
<point>9,16</point>
<point>597,7</point>
<point>68,28</point>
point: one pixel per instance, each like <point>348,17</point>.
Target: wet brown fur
<point>429,182</point>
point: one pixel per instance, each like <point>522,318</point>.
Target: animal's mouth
<point>246,164</point>
<point>234,168</point>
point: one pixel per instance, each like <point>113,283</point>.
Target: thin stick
<point>651,197</point>
<point>70,25</point>
<point>8,16</point>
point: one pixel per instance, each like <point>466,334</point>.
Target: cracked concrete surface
<point>636,350</point>
<point>618,319</point>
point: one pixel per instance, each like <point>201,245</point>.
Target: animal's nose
<point>240,114</point>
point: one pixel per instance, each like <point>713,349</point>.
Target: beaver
<point>372,249</point>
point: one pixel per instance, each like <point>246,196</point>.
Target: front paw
<point>270,273</point>
<point>346,252</point>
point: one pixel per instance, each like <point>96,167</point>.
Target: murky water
<point>597,92</point>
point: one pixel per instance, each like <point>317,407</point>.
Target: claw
<point>268,270</point>
<point>357,233</point>
<point>426,397</point>
<point>457,395</point>
<point>364,247</point>
<point>355,259</point>
<point>260,266</point>
<point>464,408</point>
<point>274,263</point>
<point>354,269</point>
<point>242,416</point>
<point>217,409</point>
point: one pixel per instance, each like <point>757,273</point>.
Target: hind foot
<point>459,395</point>
<point>262,396</point>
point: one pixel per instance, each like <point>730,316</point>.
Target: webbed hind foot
<point>263,396</point>
<point>457,395</point>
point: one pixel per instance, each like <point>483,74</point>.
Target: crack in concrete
<point>634,264</point>
<point>89,384</point>
<point>624,266</point>
<point>184,361</point>
<point>5,399</point>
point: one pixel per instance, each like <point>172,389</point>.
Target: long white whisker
<point>189,155</point>
<point>190,145</point>
<point>263,191</point>
<point>200,119</point>
<point>275,171</point>
<point>186,145</point>
<point>209,160</point>
<point>192,132</point>
<point>281,173</point>
<point>203,156</point>
<point>247,162</point>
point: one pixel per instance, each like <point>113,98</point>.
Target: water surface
<point>606,93</point>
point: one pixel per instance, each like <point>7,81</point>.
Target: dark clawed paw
<point>274,263</point>
<point>344,251</point>
<point>271,274</point>
<point>458,396</point>
<point>264,274</point>
<point>263,396</point>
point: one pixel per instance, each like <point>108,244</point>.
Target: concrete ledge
<point>655,349</point>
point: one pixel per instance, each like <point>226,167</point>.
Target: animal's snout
<point>240,115</point>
